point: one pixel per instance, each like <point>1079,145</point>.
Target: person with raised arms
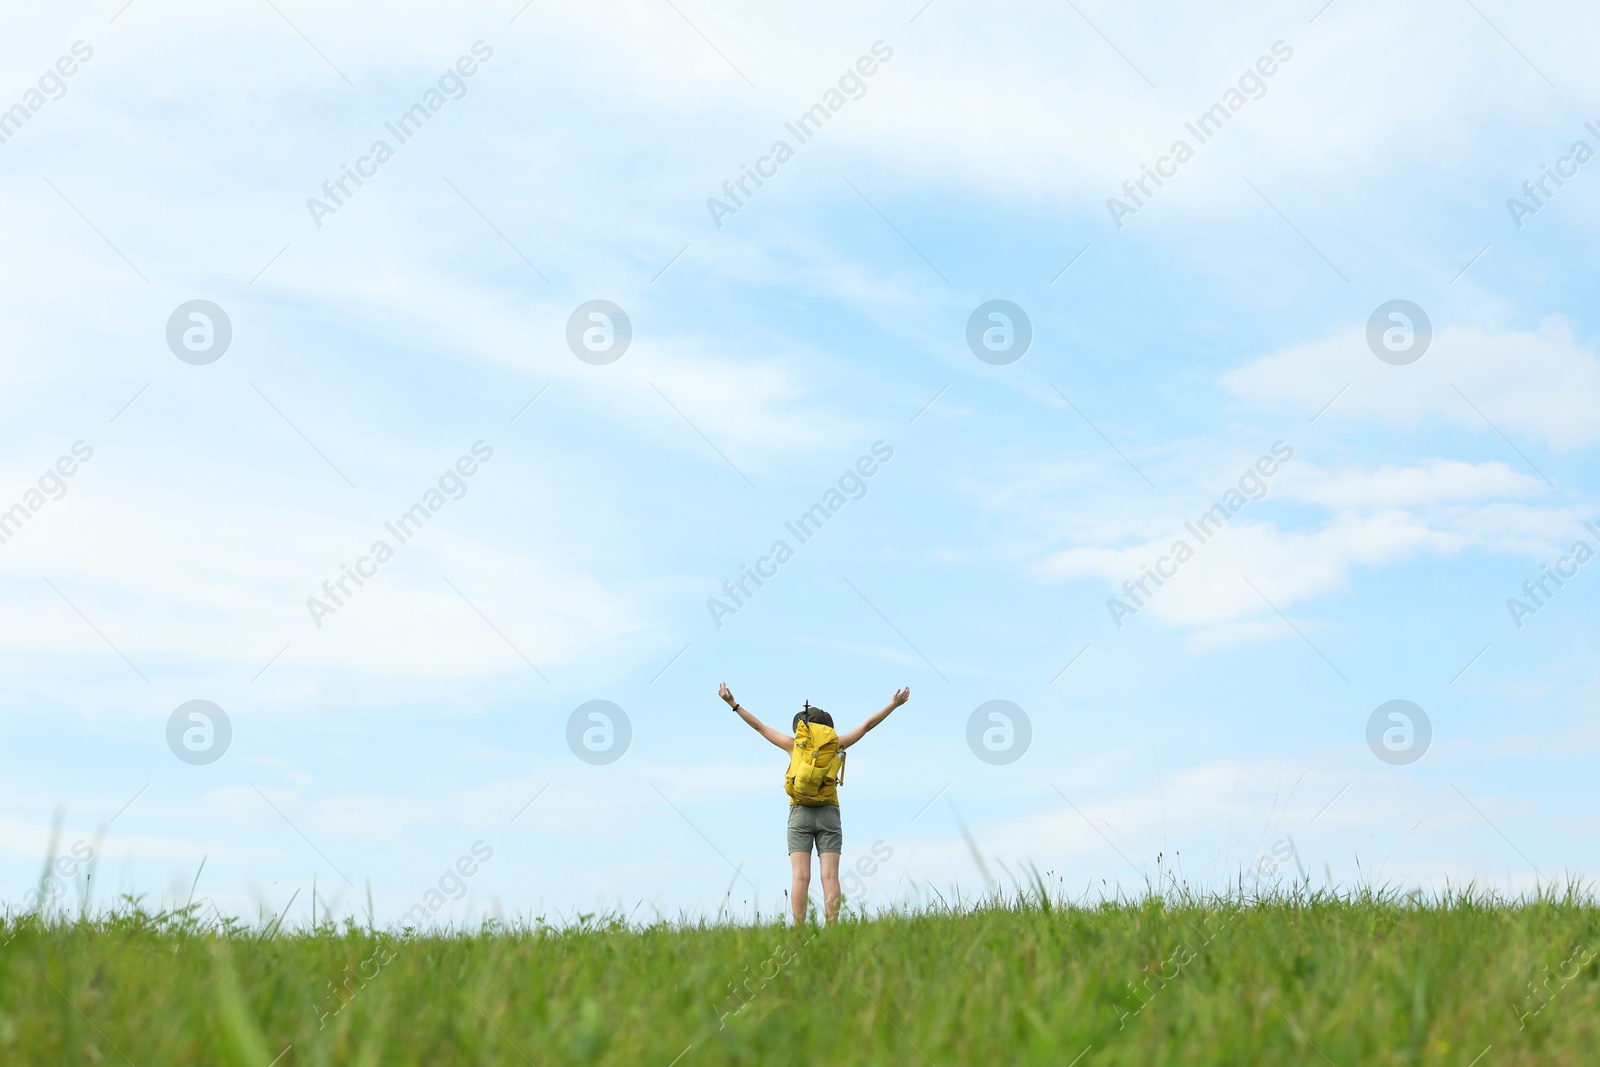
<point>816,770</point>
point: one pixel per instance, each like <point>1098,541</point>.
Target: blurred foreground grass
<point>1308,979</point>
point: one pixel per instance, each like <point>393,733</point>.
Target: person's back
<point>816,762</point>
<point>816,770</point>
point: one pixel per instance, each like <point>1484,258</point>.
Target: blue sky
<point>1226,317</point>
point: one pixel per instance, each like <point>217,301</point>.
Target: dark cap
<point>812,714</point>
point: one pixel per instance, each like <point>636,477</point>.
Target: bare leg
<point>830,883</point>
<point>800,884</point>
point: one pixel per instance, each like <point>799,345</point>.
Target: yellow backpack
<point>816,765</point>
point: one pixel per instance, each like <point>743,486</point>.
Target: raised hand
<point>901,697</point>
<point>726,694</point>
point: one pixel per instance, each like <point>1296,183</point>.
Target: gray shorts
<point>815,827</point>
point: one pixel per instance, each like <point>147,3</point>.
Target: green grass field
<point>1353,981</point>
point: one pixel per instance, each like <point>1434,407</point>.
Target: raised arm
<point>783,741</point>
<point>846,740</point>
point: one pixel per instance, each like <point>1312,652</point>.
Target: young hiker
<point>816,769</point>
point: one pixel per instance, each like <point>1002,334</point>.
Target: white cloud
<point>1288,567</point>
<point>231,584</point>
<point>1539,384</point>
<point>1378,517</point>
<point>1432,482</point>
